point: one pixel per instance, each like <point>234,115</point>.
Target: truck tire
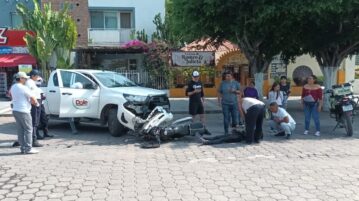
<point>114,126</point>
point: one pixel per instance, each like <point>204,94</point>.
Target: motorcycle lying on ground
<point>157,126</point>
<point>343,106</point>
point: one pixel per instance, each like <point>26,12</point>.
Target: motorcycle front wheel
<point>347,123</point>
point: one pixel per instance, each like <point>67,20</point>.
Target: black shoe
<point>288,136</point>
<point>257,141</point>
<point>37,144</point>
<point>16,144</point>
<point>280,134</point>
<point>48,135</point>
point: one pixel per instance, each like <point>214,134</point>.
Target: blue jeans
<point>311,111</point>
<point>229,111</point>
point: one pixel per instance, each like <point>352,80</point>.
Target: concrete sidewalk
<point>178,106</point>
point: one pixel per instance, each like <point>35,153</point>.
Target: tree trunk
<point>44,70</point>
<point>329,73</point>
<point>258,78</point>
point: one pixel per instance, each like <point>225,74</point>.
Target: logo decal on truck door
<point>81,103</point>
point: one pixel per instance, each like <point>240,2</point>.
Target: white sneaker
<point>317,134</point>
<point>32,151</point>
<point>306,132</point>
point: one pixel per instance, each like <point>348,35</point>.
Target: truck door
<point>53,95</point>
<point>79,96</point>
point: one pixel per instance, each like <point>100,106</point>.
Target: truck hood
<point>139,91</point>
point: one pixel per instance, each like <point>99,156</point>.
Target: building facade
<point>9,18</point>
<point>78,9</point>
<point>113,23</point>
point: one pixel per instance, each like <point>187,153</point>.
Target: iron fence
<point>144,78</point>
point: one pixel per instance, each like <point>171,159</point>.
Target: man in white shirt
<point>35,109</point>
<point>281,121</point>
<point>22,99</point>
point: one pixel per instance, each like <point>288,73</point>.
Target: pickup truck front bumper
<point>144,109</point>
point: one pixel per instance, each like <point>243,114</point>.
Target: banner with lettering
<point>193,59</point>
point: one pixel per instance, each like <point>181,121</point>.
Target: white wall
<point>145,11</point>
<point>305,60</point>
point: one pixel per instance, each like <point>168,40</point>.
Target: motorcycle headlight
<point>135,98</point>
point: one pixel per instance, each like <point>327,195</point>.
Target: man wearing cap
<point>22,99</point>
<point>195,92</point>
<point>35,109</point>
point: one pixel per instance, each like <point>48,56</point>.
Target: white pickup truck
<point>98,95</point>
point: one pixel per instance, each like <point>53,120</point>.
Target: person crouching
<point>281,121</point>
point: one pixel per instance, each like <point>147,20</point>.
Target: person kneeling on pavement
<point>281,121</point>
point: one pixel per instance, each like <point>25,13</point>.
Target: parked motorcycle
<point>342,104</point>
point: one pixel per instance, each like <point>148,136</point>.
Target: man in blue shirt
<point>227,99</point>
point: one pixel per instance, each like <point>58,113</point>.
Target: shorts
<point>196,108</point>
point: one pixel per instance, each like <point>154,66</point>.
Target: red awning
<point>13,60</point>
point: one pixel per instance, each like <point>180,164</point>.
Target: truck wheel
<point>114,126</point>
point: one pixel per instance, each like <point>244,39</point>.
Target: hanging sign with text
<point>193,59</point>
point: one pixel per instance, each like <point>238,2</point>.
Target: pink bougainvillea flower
<point>137,44</point>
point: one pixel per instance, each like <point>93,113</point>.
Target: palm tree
<point>54,33</point>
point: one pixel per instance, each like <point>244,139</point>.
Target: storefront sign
<point>278,68</point>
<point>3,38</point>
<point>187,59</point>
<point>25,68</point>
<point>5,50</point>
<point>13,38</point>
<point>13,50</point>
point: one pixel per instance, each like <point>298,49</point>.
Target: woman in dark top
<point>312,101</point>
<point>250,91</point>
<point>285,88</point>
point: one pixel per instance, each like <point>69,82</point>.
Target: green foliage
<point>54,33</point>
<point>326,29</point>
<point>142,36</point>
<point>248,23</point>
<point>156,61</point>
<point>164,32</point>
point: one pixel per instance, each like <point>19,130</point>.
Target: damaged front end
<point>135,114</point>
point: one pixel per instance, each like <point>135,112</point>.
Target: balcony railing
<point>108,36</point>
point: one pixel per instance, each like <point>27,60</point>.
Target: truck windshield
<point>112,80</point>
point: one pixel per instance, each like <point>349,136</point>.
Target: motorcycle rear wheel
<point>347,123</point>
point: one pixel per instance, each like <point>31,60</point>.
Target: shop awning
<point>13,60</point>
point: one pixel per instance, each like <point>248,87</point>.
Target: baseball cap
<point>195,73</point>
<point>21,75</point>
<point>34,73</point>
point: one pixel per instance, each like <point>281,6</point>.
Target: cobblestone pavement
<point>95,166</point>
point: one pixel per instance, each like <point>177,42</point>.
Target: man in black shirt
<point>195,92</point>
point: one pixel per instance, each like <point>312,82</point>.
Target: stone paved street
<point>95,166</point>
